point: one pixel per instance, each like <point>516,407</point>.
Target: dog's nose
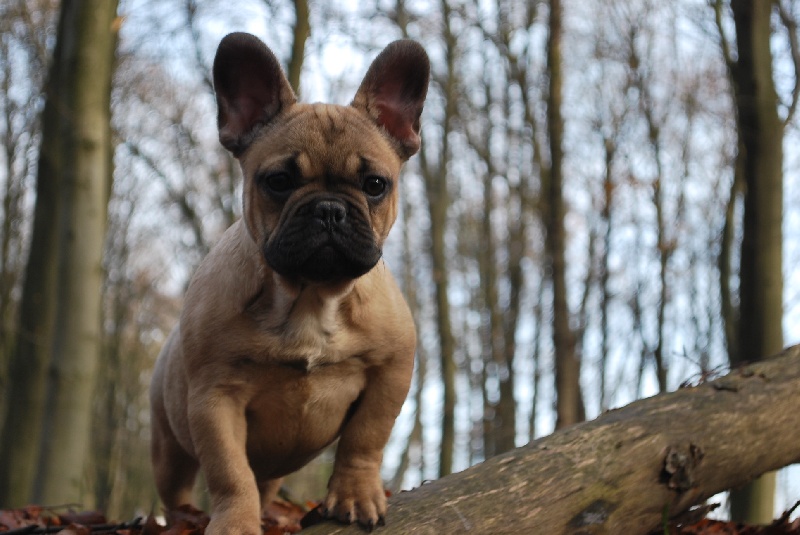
<point>330,211</point>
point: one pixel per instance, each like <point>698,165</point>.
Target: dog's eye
<point>277,183</point>
<point>374,186</point>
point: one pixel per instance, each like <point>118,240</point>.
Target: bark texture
<point>80,92</point>
<point>37,315</point>
<point>89,39</point>
<point>624,472</point>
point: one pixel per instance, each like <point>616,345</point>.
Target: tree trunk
<point>438,214</point>
<point>24,27</point>
<point>760,160</point>
<point>86,51</point>
<point>605,270</point>
<point>628,471</point>
<point>31,354</point>
<point>509,321</point>
<point>569,400</point>
<point>438,198</point>
<point>499,417</point>
<point>434,174</point>
<point>493,424</point>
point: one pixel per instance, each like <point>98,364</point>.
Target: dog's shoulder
<point>228,278</point>
<point>377,310</point>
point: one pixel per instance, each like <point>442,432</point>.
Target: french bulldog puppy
<point>293,332</point>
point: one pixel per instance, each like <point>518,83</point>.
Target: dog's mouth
<point>324,241</point>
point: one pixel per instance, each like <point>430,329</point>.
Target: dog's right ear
<point>251,89</point>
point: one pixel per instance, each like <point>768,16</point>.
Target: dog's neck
<point>299,302</point>
<point>303,318</point>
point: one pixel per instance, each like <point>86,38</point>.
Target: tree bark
<point>760,160</point>
<point>87,38</point>
<point>499,418</point>
<point>569,399</point>
<point>31,352</point>
<point>628,471</point>
<point>438,197</point>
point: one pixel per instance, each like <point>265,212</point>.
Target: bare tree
<point>23,60</point>
<point>133,310</point>
<point>759,168</point>
<point>84,62</point>
<point>433,168</point>
<point>60,310</point>
<point>569,398</point>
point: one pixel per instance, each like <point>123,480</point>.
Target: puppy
<point>293,332</point>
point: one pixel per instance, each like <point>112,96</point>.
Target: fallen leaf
<point>75,529</point>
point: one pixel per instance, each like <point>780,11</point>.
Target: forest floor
<point>285,518</point>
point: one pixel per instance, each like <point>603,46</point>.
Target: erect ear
<point>393,92</point>
<point>251,89</point>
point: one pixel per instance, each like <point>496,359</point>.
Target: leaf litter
<point>283,518</point>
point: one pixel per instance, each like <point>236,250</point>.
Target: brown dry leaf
<point>75,529</point>
<point>86,518</point>
<point>33,512</point>
<point>10,519</point>
<point>283,516</point>
<point>184,528</point>
<point>191,516</point>
<point>151,527</point>
<point>30,515</point>
<point>781,526</point>
<point>708,527</point>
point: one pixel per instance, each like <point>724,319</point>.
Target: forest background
<point>576,232</point>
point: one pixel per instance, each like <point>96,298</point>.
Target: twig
<point>785,516</point>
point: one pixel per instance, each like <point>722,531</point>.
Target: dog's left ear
<point>393,93</point>
<point>251,89</point>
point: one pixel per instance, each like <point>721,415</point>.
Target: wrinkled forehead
<point>323,139</point>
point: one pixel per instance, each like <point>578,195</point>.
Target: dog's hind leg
<point>174,469</point>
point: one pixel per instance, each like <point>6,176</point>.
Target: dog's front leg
<point>355,490</point>
<point>219,428</point>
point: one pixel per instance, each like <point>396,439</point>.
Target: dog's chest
<point>309,342</point>
<point>297,413</point>
<point>308,336</point>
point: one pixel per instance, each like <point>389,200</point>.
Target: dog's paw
<point>353,499</point>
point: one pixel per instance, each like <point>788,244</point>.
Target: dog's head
<point>320,180</point>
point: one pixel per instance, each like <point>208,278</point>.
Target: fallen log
<point>628,471</point>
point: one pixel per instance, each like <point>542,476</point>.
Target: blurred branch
<point>791,29</point>
<point>188,212</point>
<point>718,6</point>
<point>300,33</point>
<point>202,69</point>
